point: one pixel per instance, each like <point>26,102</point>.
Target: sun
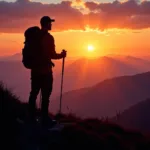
<point>90,48</point>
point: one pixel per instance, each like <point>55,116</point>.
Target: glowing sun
<point>90,48</point>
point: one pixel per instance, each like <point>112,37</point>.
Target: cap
<point>46,19</point>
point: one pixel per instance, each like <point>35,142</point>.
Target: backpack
<point>31,53</point>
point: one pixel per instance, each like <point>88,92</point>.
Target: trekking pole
<point>60,106</point>
<point>40,98</point>
<point>40,106</point>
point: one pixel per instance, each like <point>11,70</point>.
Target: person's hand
<point>64,53</point>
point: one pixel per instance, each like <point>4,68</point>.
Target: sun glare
<point>90,48</point>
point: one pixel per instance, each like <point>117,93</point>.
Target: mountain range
<point>107,97</point>
<point>71,131</point>
<point>79,73</point>
<point>121,89</point>
<point>135,117</point>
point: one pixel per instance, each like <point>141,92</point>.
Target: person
<point>42,77</point>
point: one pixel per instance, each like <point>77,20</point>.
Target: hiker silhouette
<point>42,76</point>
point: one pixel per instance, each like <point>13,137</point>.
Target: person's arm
<point>51,49</point>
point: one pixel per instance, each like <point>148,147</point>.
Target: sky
<point>111,27</point>
<point>57,1</point>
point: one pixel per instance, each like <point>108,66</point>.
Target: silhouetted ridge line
<point>90,133</point>
<point>107,97</point>
<point>11,106</point>
<point>136,116</point>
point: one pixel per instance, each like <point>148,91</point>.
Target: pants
<point>43,82</point>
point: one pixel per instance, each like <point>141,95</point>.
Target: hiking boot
<point>31,120</point>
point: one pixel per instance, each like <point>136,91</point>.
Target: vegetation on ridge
<point>87,133</point>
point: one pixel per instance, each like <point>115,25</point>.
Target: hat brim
<point>52,20</point>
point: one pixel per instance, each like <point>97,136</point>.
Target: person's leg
<point>35,88</point>
<point>46,89</point>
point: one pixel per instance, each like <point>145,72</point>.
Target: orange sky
<point>117,41</point>
<point>117,27</point>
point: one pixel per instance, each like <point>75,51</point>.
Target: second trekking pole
<point>60,106</point>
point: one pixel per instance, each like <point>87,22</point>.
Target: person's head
<point>46,22</point>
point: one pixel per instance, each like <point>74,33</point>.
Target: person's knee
<point>46,93</point>
<point>34,93</point>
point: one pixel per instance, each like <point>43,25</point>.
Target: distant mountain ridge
<point>78,73</point>
<point>88,72</point>
<point>136,117</point>
<point>107,97</point>
<point>14,57</point>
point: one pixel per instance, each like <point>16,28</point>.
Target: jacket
<point>48,53</point>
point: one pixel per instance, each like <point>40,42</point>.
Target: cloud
<point>17,16</point>
<point>129,14</point>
